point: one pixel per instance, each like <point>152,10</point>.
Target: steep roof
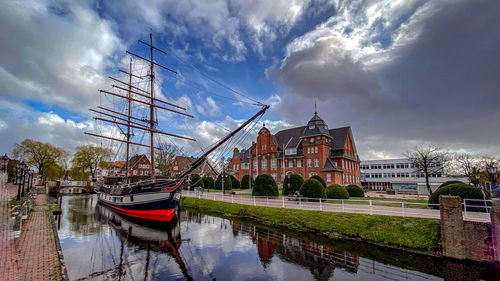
<point>331,165</point>
<point>290,136</point>
<point>118,164</point>
<point>316,126</point>
<point>339,136</point>
<point>135,159</point>
<point>184,162</point>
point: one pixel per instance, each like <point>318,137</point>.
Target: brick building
<point>139,165</point>
<point>182,163</point>
<point>307,150</point>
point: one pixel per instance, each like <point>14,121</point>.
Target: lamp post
<point>492,170</point>
<point>24,168</point>
<point>19,168</point>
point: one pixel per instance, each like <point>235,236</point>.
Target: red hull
<point>157,215</point>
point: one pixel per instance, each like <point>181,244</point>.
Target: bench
<point>229,192</point>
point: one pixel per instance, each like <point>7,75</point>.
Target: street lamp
<point>20,167</point>
<point>24,168</point>
<point>493,172</point>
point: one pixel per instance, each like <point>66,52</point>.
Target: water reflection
<point>99,244</point>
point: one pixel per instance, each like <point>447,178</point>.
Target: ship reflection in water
<point>99,244</point>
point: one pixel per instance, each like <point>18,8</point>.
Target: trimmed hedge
<point>336,191</point>
<point>245,182</point>
<point>265,186</point>
<point>355,191</point>
<point>235,183</point>
<point>208,182</point>
<point>312,188</point>
<point>463,190</point>
<point>320,179</point>
<point>227,183</point>
<point>448,183</point>
<point>292,183</point>
<point>196,181</point>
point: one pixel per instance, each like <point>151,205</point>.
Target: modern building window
<point>309,163</point>
<point>273,164</point>
<point>264,164</point>
<point>316,162</point>
<point>328,177</point>
<point>299,163</point>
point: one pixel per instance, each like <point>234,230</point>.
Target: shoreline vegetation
<point>416,235</point>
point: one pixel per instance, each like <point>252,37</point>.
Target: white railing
<point>477,209</point>
<point>371,207</point>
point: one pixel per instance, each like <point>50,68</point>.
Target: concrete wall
<point>466,239</point>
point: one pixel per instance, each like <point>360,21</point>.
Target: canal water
<point>99,244</point>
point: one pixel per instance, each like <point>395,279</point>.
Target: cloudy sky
<point>400,73</point>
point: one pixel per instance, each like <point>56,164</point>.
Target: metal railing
<point>477,209</point>
<point>371,207</point>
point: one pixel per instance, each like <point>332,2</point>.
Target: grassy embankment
<point>412,234</point>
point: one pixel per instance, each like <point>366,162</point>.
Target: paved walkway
<point>363,208</point>
<point>32,256</point>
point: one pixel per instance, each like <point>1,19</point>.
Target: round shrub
<point>448,183</point>
<point>208,182</point>
<point>235,183</point>
<point>355,191</point>
<point>265,186</point>
<point>227,182</point>
<point>336,191</point>
<point>196,181</point>
<point>312,188</point>
<point>320,179</point>
<point>245,182</point>
<point>463,190</point>
<point>292,183</point>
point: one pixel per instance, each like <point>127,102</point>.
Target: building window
<point>299,163</point>
<point>290,163</point>
<point>176,168</point>
<point>328,177</point>
<point>237,166</point>
<point>264,164</point>
<point>316,162</point>
<point>131,198</point>
<point>140,172</point>
<point>309,163</point>
<point>291,151</point>
<point>274,176</point>
<point>273,164</point>
<point>234,167</point>
<point>255,164</point>
<point>315,150</point>
<point>135,172</point>
<point>308,150</point>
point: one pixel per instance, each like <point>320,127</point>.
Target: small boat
<point>148,196</point>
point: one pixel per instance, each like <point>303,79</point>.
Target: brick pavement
<point>33,256</point>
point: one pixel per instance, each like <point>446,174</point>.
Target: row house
<point>307,150</point>
<point>139,165</point>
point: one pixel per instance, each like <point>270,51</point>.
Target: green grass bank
<point>411,234</point>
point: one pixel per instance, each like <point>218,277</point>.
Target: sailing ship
<point>149,197</point>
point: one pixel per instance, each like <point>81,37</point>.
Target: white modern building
<point>400,175</point>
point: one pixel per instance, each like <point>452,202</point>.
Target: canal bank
<point>203,247</point>
<point>416,235</point>
<point>35,254</point>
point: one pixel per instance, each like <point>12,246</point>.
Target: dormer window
<point>311,127</point>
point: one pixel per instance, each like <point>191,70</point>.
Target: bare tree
<point>164,158</point>
<point>467,165</point>
<point>490,163</point>
<point>428,160</point>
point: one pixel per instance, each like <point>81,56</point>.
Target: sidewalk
<point>33,256</point>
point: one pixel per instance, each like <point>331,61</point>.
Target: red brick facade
<point>308,150</point>
<point>139,165</point>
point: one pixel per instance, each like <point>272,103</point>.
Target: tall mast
<point>151,107</point>
<point>128,118</point>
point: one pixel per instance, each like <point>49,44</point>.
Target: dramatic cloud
<point>53,53</point>
<point>400,73</point>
